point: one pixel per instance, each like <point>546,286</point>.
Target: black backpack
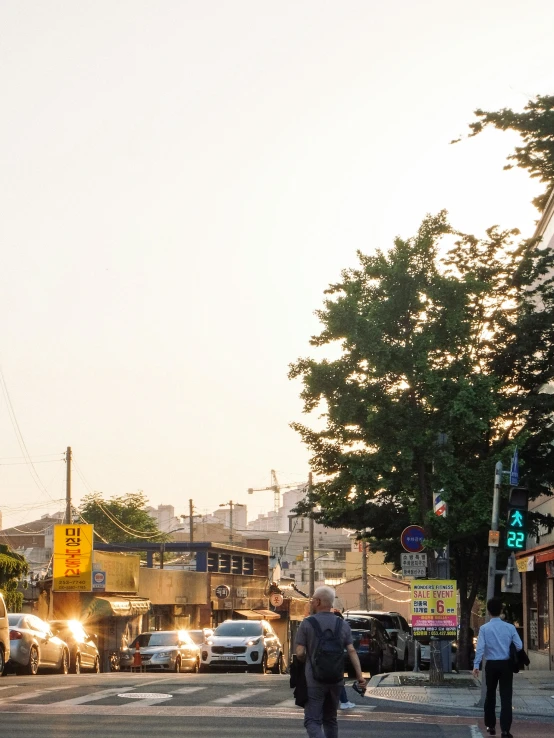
<point>328,657</point>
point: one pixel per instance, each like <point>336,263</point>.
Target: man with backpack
<point>320,643</point>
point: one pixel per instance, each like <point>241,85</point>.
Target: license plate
<point>229,658</point>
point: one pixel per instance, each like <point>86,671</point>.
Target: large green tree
<point>444,344</point>
<point>120,519</point>
<point>535,125</point>
<point>13,566</point>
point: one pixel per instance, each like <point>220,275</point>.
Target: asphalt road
<point>225,705</point>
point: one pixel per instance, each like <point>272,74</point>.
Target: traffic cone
<point>137,658</point>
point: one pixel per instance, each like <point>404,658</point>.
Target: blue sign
<point>413,539</point>
<point>514,470</point>
<point>98,581</point>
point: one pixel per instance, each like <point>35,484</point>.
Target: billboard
<point>72,558</point>
<point>434,608</point>
<point>122,571</point>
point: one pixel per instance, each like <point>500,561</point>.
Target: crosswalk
<point>224,697</point>
<point>176,694</point>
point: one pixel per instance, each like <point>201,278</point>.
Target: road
<point>224,705</point>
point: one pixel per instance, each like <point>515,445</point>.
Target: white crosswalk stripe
<point>237,696</point>
<point>85,699</point>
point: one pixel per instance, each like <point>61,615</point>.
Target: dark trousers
<point>499,674</point>
<point>320,711</point>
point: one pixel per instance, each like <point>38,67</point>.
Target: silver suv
<point>399,631</point>
<point>4,636</point>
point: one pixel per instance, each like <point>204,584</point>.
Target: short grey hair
<point>326,595</point>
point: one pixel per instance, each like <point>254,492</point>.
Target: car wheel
<point>178,665</point>
<point>32,666</point>
<point>3,671</point>
<point>97,665</point>
<point>204,668</point>
<point>196,667</point>
<point>262,668</point>
<point>64,666</point>
<point>395,663</point>
<point>405,665</point>
<point>76,669</point>
<point>276,668</point>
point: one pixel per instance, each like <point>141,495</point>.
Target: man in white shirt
<point>494,641</point>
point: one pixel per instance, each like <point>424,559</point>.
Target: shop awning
<point>258,614</point>
<point>119,606</point>
<point>268,614</point>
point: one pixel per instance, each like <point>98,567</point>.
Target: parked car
<point>251,644</point>
<point>33,646</point>
<point>199,636</point>
<point>167,650</point>
<point>4,637</point>
<point>401,635</point>
<point>375,649</point>
<point>83,651</point>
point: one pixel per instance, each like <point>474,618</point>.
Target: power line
<point>19,435</point>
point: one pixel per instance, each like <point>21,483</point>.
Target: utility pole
<point>311,559</point>
<point>364,605</point>
<point>68,511</point>
<point>231,505</point>
<point>191,521</point>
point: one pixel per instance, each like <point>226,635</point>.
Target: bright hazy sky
<point>181,180</point>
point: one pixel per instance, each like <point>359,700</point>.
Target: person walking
<point>494,641</point>
<point>320,643</point>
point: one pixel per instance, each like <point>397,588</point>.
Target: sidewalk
<point>533,691</point>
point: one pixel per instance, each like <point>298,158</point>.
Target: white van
<point>4,636</point>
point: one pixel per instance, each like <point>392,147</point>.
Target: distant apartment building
<point>164,515</point>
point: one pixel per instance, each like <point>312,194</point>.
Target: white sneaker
<point>346,705</point>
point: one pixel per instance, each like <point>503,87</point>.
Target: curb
<point>434,705</point>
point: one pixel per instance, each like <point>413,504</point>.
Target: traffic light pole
<point>491,577</point>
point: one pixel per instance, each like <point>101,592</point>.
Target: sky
<point>180,182</point>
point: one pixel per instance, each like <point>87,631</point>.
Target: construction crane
<point>275,488</point>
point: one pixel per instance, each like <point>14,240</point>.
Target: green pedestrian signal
<point>516,528</point>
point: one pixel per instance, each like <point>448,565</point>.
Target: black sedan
<point>373,645</point>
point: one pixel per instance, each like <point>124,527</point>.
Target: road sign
<point>222,591</point>
<point>413,539</point>
<point>276,599</point>
<point>413,559</point>
<point>98,581</point>
<point>414,571</point>
<point>514,470</point>
<point>434,608</point>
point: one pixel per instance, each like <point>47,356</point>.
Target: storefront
<point>537,571</point>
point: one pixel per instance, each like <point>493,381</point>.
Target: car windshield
<point>386,620</point>
<point>239,629</point>
<point>14,619</point>
<point>156,639</point>
<point>358,623</point>
<point>197,636</point>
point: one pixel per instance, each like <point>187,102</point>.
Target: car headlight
<point>210,643</point>
<point>254,641</point>
<point>162,654</point>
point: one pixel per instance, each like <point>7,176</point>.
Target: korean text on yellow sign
<point>73,558</point>
<point>434,603</point>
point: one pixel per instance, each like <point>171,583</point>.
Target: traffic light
<point>516,528</point>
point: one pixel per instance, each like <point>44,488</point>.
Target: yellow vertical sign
<point>72,558</point>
